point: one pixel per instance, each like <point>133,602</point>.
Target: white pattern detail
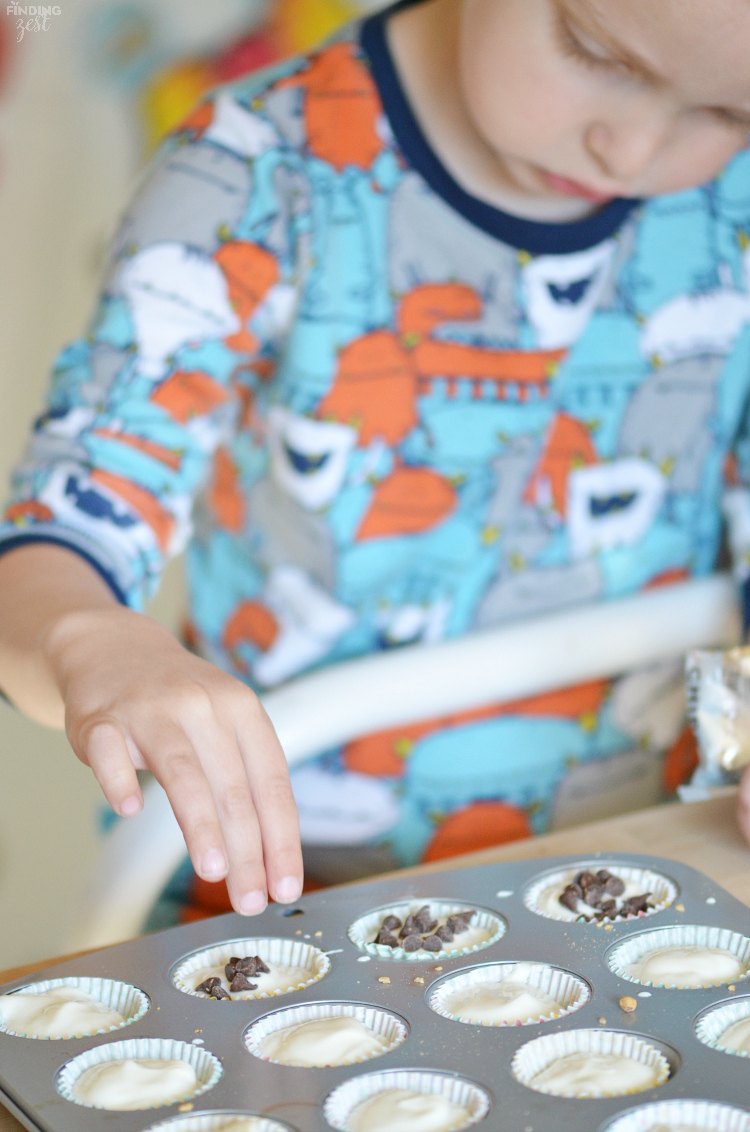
<point>612,505</point>
<point>341,809</point>
<point>309,458</point>
<point>562,292</point>
<point>240,130</point>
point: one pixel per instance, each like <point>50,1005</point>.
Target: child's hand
<point>136,699</point>
<point>743,809</point>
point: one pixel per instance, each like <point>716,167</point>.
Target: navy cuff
<point>28,539</point>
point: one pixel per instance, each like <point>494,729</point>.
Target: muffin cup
<point>537,1054</point>
<point>129,1001</point>
<point>700,1114</point>
<point>217,1122</point>
<point>713,1023</point>
<point>286,952</point>
<point>663,890</point>
<point>339,1105</point>
<point>363,929</point>
<point>568,990</point>
<point>208,1068</point>
<point>630,950</point>
<point>388,1026</point>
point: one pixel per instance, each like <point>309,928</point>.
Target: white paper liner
<point>208,1068</point>
<point>663,890</point>
<point>537,1054</point>
<point>700,1114</point>
<point>129,1001</point>
<point>714,1022</point>
<point>389,1026</point>
<point>633,948</point>
<point>363,929</point>
<point>568,990</point>
<point>287,952</point>
<point>216,1122</point>
<point>340,1104</point>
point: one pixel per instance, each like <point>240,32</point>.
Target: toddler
<point>445,325</point>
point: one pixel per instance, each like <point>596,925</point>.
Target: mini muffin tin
<point>477,1059</point>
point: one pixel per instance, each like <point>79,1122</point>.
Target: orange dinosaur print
<point>374,389</point>
<point>524,368</point>
<point>384,754</point>
<point>479,826</point>
<point>251,622</point>
<point>187,394</point>
<point>682,761</point>
<point>226,496</point>
<point>569,445</point>
<point>29,511</point>
<point>162,523</point>
<point>342,108</point>
<point>409,501</point>
<point>667,578</point>
<point>158,452</point>
<point>427,306</point>
<point>250,272</point>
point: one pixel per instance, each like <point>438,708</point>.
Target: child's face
<point>605,98</point>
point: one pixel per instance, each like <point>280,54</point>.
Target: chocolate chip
<point>409,928</point>
<point>635,904</point>
<point>593,894</point>
<point>386,938</point>
<point>445,933</point>
<point>570,896</point>
<point>207,986</point>
<point>609,908</point>
<point>614,886</point>
<point>412,943</point>
<point>234,960</point>
<point>219,992</point>
<point>252,965</point>
<point>390,923</point>
<point>433,943</point>
<point>240,983</point>
<point>425,921</point>
<point>585,878</point>
<point>603,876</point>
<point>458,922</point>
<point>230,971</point>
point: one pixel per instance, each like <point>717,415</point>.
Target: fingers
<point>743,809</point>
<point>104,748</point>
<point>268,775</point>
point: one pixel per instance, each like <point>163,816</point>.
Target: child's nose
<point>624,151</point>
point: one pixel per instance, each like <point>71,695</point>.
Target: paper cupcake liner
<point>208,1068</point>
<point>366,927</point>
<point>714,1022</point>
<point>568,990</point>
<point>339,1105</point>
<point>217,1122</point>
<point>389,1026</point>
<point>663,890</point>
<point>129,1001</point>
<point>630,950</point>
<point>537,1054</point>
<point>699,1114</point>
<point>286,952</point>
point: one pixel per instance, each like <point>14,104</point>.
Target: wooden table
<point>704,835</point>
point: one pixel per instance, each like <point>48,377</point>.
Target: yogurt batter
<point>686,966</point>
<point>548,901</point>
<point>400,1110</point>
<point>279,980</point>
<point>323,1041</point>
<point>584,1074</point>
<point>500,1004</point>
<point>63,1012</point>
<point>737,1037</point>
<point>127,1085</point>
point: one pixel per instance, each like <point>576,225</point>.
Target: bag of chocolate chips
<point>718,690</point>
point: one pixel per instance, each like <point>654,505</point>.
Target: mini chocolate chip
<point>209,984</point>
<point>425,922</point>
<point>230,971</point>
<point>456,924</point>
<point>608,907</point>
<point>409,928</point>
<point>386,938</point>
<point>240,983</point>
<point>603,875</point>
<point>390,923</point>
<point>570,896</point>
<point>412,943</point>
<point>445,933</point>
<point>219,992</point>
<point>433,943</point>
<point>615,886</point>
<point>234,960</point>
<point>593,894</point>
<point>585,878</point>
<point>635,904</point>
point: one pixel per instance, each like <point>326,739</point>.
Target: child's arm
<point>130,696</point>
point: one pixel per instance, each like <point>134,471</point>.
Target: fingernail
<point>252,903</point>
<point>131,806</point>
<point>214,864</point>
<point>288,889</point>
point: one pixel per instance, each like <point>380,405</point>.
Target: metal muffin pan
<point>480,1054</point>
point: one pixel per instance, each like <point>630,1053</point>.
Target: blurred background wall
<point>85,95</point>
